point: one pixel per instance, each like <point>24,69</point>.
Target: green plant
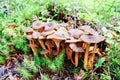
<point>2,60</point>
<point>21,44</point>
<point>105,77</point>
<point>29,64</point>
<point>26,75</point>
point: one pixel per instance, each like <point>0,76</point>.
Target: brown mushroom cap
<point>83,28</point>
<point>37,25</point>
<point>76,33</point>
<point>92,38</point>
<point>35,35</point>
<point>50,26</point>
<point>47,33</point>
<point>44,51</point>
<point>75,48</point>
<point>13,24</point>
<point>28,30</point>
<point>10,44</point>
<point>29,37</point>
<point>73,40</point>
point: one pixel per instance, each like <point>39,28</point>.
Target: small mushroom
<point>13,25</point>
<point>77,51</point>
<point>76,33</point>
<point>45,52</point>
<point>50,26</point>
<point>28,30</point>
<point>40,40</point>
<point>37,25</point>
<point>33,47</point>
<point>88,39</point>
<point>57,38</point>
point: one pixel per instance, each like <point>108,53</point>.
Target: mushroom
<point>76,33</point>
<point>28,30</point>
<point>45,52</point>
<point>50,26</point>
<point>31,44</point>
<point>77,51</point>
<point>37,25</point>
<point>40,40</point>
<point>69,52</point>
<point>13,25</point>
<point>88,39</point>
<point>50,44</point>
<point>33,47</point>
<point>57,38</point>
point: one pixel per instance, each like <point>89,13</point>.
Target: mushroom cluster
<point>53,37</point>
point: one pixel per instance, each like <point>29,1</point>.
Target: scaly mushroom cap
<point>92,38</point>
<point>37,25</point>
<point>76,33</point>
<point>50,26</point>
<point>75,48</point>
<point>28,30</point>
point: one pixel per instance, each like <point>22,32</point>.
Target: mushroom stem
<point>42,43</point>
<point>76,58</point>
<point>68,52</point>
<point>33,49</point>
<point>58,47</point>
<point>90,62</point>
<point>86,56</point>
<point>91,57</point>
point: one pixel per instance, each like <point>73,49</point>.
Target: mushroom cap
<point>76,33</point>
<point>83,28</point>
<point>73,40</point>
<point>57,36</point>
<point>46,33</point>
<point>37,25</point>
<point>41,37</point>
<point>91,31</point>
<point>75,48</point>
<point>44,51</point>
<point>28,30</point>
<point>92,38</point>
<point>35,35</point>
<point>10,44</point>
<point>50,26</point>
<point>29,37</point>
<point>13,24</point>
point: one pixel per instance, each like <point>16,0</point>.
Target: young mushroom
<point>28,30</point>
<point>57,38</point>
<point>88,39</point>
<point>37,25</point>
<point>73,46</point>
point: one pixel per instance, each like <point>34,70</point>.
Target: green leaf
<point>99,63</point>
